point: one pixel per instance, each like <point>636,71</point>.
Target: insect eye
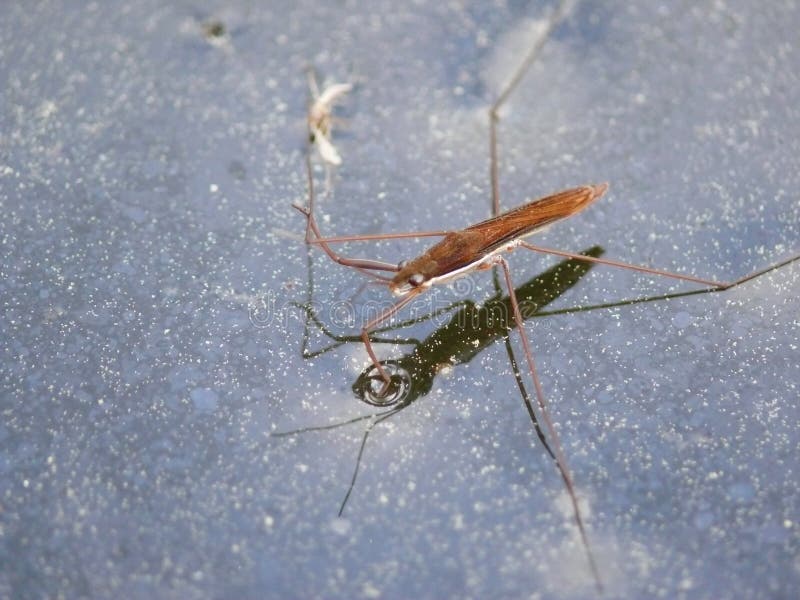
<point>416,279</point>
<point>402,264</point>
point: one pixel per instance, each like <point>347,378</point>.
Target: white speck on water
<point>370,591</point>
<point>46,109</point>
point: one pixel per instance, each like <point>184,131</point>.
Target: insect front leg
<point>371,325</point>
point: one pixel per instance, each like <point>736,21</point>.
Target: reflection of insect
<point>479,247</point>
<point>320,119</point>
<point>470,329</point>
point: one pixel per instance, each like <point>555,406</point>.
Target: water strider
<point>482,246</point>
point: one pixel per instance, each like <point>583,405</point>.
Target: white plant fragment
<point>320,119</point>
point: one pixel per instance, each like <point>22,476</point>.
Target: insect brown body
<point>471,248</point>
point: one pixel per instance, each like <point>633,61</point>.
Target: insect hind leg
<point>713,285</point>
<point>561,461</point>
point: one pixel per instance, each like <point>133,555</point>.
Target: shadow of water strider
<point>472,328</point>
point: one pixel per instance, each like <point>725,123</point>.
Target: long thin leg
<point>494,111</point>
<point>312,227</point>
<point>352,485</point>
<point>494,117</point>
<point>376,236</point>
<point>561,461</point>
<point>311,193</point>
<point>375,421</point>
<point>764,271</point>
<point>386,314</point>
<point>318,239</point>
<point>526,398</point>
<point>339,340</point>
<point>717,285</point>
<point>621,303</point>
<point>292,432</point>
